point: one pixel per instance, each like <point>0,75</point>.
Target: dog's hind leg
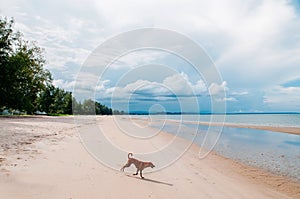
<point>141,174</point>
<point>126,165</point>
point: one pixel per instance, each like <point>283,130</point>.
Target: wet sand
<point>290,130</point>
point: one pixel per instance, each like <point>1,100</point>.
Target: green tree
<point>46,99</point>
<point>102,109</point>
<point>55,100</point>
<point>88,107</point>
<point>77,107</point>
<point>22,74</point>
<point>68,100</point>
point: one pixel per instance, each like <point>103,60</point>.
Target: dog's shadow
<point>149,180</point>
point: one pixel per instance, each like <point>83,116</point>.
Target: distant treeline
<point>90,107</point>
<point>26,86</point>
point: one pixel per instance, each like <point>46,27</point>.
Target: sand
<point>290,130</point>
<point>43,157</point>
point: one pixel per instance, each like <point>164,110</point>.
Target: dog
<point>140,166</point>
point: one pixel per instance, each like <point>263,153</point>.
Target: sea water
<point>273,151</point>
<point>276,120</point>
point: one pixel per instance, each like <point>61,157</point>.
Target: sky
<point>253,44</point>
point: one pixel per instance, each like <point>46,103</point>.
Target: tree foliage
<point>24,83</point>
<point>55,101</point>
<point>90,107</point>
<point>22,74</point>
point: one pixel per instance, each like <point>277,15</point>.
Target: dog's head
<point>152,165</point>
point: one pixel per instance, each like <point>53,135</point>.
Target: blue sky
<point>255,45</point>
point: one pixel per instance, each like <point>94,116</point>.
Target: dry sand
<point>43,157</point>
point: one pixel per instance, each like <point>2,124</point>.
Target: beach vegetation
<point>90,107</point>
<point>22,75</point>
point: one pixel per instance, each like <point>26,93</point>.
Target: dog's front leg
<point>137,171</point>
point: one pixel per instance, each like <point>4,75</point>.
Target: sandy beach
<point>43,157</point>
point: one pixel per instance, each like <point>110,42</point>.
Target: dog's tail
<point>129,154</point>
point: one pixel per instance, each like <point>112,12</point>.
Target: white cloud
<point>283,98</point>
<point>136,58</point>
<point>215,89</point>
<point>235,93</point>
<point>177,85</point>
<point>246,39</point>
<point>101,86</point>
<point>261,45</point>
<point>140,87</point>
<point>180,84</point>
<point>64,84</point>
<point>65,36</point>
<point>229,99</point>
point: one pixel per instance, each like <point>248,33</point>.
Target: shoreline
<point>52,145</point>
<point>280,129</point>
<point>284,184</point>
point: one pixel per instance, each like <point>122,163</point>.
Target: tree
<point>102,109</point>
<point>68,99</point>
<point>46,99</point>
<point>77,107</point>
<point>22,74</point>
<point>55,101</point>
<point>90,107</point>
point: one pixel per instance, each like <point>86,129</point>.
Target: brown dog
<point>140,166</point>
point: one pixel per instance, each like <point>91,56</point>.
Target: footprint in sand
<point>4,170</point>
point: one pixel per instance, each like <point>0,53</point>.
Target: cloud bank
<point>254,44</point>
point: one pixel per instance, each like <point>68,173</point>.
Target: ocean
<point>276,120</point>
<point>276,152</point>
